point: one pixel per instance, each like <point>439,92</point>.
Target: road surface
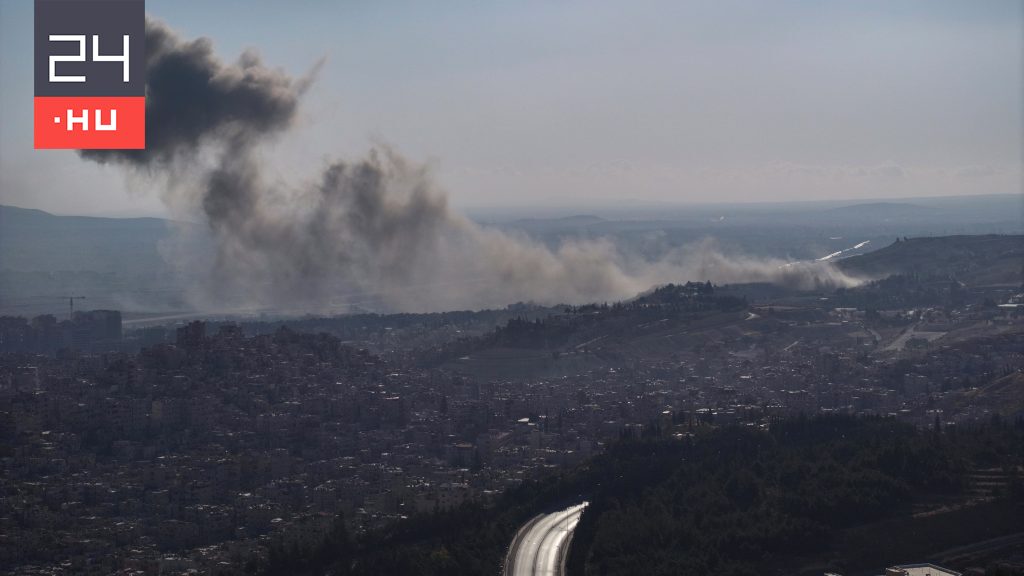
<point>901,341</point>
<point>539,547</point>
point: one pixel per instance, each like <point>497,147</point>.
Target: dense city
<point>207,451</point>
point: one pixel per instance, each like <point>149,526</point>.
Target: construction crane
<point>71,305</point>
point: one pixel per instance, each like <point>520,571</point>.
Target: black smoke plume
<point>193,99</point>
<point>374,232</point>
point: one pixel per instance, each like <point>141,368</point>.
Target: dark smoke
<point>193,99</point>
<point>373,232</point>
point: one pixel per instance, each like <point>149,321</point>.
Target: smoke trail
<point>193,99</point>
<point>377,229</point>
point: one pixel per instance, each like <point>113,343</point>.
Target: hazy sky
<point>520,103</point>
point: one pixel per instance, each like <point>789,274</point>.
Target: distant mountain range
<point>1004,210</point>
<point>34,240</point>
<point>114,262</point>
<point>130,263</point>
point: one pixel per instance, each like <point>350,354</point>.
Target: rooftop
<point>919,570</point>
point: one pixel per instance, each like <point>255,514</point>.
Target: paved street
<point>538,549</point>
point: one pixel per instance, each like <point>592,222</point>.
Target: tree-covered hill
<point>809,494</point>
<point>801,498</point>
<point>974,260</point>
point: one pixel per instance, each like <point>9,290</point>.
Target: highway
<point>540,546</point>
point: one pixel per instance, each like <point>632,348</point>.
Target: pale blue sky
<point>569,102</point>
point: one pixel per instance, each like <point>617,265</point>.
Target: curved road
<point>539,547</point>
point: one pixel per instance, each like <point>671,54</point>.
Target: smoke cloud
<point>376,232</point>
<point>193,99</point>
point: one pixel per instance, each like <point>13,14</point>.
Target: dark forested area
<point>577,324</point>
<point>810,494</point>
<point>471,539</point>
<point>800,498</point>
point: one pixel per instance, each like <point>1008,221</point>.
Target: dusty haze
<point>374,231</point>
